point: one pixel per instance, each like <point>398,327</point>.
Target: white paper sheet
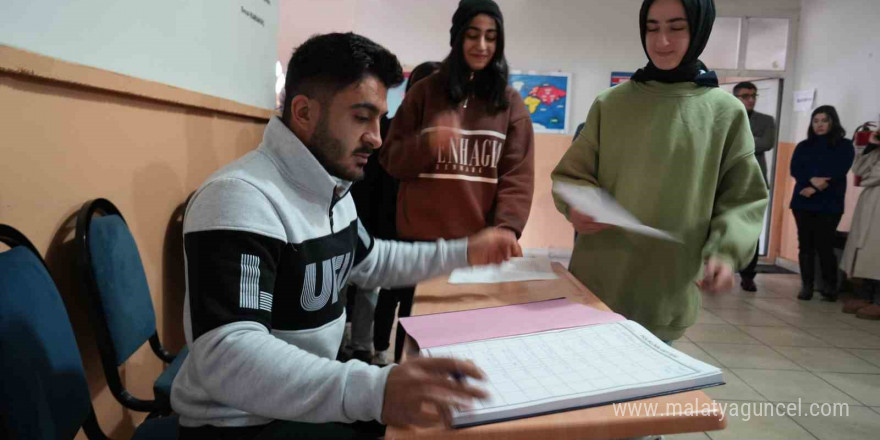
<point>516,269</point>
<point>803,100</point>
<point>598,204</point>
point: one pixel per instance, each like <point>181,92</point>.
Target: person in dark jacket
<point>819,166</point>
<point>764,131</point>
<point>376,200</point>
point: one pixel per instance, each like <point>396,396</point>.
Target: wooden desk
<point>601,422</point>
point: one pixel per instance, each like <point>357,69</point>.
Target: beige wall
<point>547,228</point>
<point>61,145</point>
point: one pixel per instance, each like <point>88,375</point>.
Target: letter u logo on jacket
<point>334,275</point>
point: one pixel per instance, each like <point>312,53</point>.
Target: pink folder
<point>495,322</point>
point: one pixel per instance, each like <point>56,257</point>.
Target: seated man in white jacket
<point>271,241</point>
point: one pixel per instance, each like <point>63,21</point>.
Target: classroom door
<point>769,100</point>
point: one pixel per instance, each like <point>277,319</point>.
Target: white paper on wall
<point>803,100</point>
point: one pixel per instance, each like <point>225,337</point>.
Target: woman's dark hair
<point>326,64</point>
<point>421,72</point>
<point>489,84</point>
<point>836,132</point>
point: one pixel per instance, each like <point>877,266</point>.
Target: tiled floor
<point>774,348</point>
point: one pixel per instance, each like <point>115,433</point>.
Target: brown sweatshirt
<point>483,177</point>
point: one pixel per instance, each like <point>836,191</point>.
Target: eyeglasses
<point>748,96</point>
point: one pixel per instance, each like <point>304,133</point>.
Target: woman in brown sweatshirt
<point>461,142</point>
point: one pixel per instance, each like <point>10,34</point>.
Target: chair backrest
<point>12,238</point>
<point>115,279</point>
<point>42,381</point>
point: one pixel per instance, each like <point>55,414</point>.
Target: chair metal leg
<point>160,351</point>
<point>91,427</point>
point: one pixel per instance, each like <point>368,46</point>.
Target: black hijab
<point>700,17</point>
<point>468,9</point>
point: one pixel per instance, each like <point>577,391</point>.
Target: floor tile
<point>782,305</point>
<point>846,338</point>
<point>864,387</point>
<point>792,386</point>
<point>817,305</point>
<point>707,317</point>
<point>861,423</point>
<point>725,333</point>
<point>749,317</point>
<point>777,304</point>
<point>810,319</point>
<point>720,302</point>
<point>827,359</point>
<point>691,349</point>
<point>773,292</point>
<point>744,424</point>
<point>748,356</point>
<point>783,336</point>
<point>734,389</point>
<point>872,356</point>
<point>872,327</point>
<point>689,436</point>
<point>779,281</point>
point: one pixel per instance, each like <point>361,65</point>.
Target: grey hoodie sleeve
<point>392,264</point>
<point>243,366</point>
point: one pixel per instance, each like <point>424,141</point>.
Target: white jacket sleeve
<point>394,263</point>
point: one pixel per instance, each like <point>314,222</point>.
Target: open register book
<point>567,365</point>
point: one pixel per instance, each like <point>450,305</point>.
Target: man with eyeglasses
<point>764,130</point>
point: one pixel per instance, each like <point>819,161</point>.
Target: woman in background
<point>462,143</point>
<point>819,166</point>
<point>861,258</point>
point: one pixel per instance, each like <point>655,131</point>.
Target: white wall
<point>839,55</point>
<point>207,46</point>
<point>757,8</point>
<point>300,19</point>
<point>588,38</point>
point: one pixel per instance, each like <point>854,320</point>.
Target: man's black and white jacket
<point>270,241</point>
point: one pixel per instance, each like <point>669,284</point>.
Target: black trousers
<point>280,429</point>
<point>748,272</point>
<point>816,236</point>
<point>383,318</point>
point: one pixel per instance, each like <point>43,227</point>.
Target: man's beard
<point>331,153</point>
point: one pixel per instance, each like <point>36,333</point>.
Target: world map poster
<point>546,98</point>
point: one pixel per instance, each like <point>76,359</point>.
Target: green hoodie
<point>681,158</point>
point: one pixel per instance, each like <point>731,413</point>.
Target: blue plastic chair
<point>44,389</point>
<point>121,307</point>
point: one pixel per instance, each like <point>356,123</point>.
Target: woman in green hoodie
<point>677,152</point>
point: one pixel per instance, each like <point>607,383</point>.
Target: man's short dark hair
<point>744,85</point>
<point>326,64</point>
